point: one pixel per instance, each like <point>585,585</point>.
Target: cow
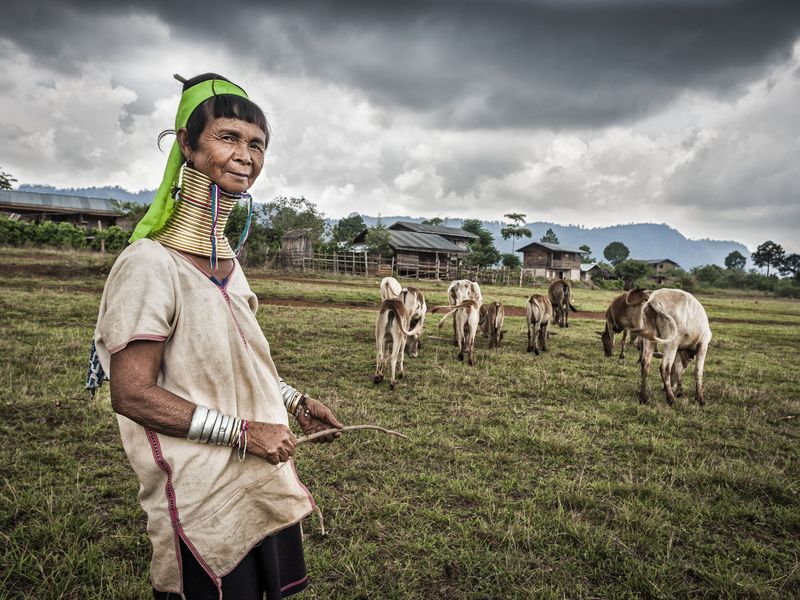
<point>490,321</point>
<point>414,301</point>
<point>391,333</point>
<point>560,294</point>
<point>390,288</point>
<point>539,312</point>
<point>458,291</point>
<point>465,320</point>
<point>677,320</point>
<point>623,315</point>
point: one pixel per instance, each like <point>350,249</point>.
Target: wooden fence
<point>359,264</point>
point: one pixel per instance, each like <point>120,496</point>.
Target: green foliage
<point>769,254</point>
<point>6,180</point>
<point>133,211</point>
<point>511,261</point>
<point>735,261</point>
<point>115,238</point>
<point>787,288</point>
<point>378,240</point>
<point>709,275</point>
<point>633,272</point>
<point>790,265</point>
<point>346,229</point>
<point>42,234</point>
<point>482,252</point>
<point>686,282</point>
<point>516,229</point>
<point>436,221</point>
<point>616,252</point>
<point>587,257</point>
<point>286,214</point>
<point>262,240</point>
<point>550,237</point>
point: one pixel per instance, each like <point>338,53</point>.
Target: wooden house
<point>664,268</point>
<point>79,210</point>
<point>551,261</point>
<point>454,235</point>
<point>296,245</point>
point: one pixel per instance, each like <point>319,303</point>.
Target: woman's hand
<point>315,416</point>
<point>273,442</point>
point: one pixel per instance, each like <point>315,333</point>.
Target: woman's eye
<point>256,147</point>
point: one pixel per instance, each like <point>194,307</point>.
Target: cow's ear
<point>637,296</point>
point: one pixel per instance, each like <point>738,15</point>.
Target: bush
<point>787,288</point>
<point>115,238</point>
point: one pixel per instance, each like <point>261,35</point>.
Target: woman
<point>202,412</point>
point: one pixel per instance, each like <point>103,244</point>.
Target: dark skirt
<point>275,566</point>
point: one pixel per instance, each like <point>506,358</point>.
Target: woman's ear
<point>183,141</point>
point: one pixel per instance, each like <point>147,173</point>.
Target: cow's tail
<point>444,318</point>
<point>672,325</point>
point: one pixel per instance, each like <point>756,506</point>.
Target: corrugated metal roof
<point>434,229</point>
<point>409,240</point>
<point>655,261</point>
<point>11,199</point>
<point>552,247</point>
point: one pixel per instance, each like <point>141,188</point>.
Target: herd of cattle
<point>670,317</point>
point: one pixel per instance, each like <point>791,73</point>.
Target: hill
<point>645,240</point>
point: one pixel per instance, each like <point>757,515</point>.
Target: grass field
<point>525,477</point>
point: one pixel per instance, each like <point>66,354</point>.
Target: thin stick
<point>319,434</point>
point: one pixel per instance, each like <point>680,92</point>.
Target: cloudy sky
<point>591,112</point>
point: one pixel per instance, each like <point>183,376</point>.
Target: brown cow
<point>491,320</point>
<point>560,294</point>
<point>539,312</point>
<point>677,320</point>
<point>624,314</point>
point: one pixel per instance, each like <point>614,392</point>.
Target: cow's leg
<point>455,332</point>
<point>678,369</point>
<point>647,357</point>
<point>530,335</point>
<point>402,339</point>
<point>537,332</point>
<point>622,343</point>
<point>566,314</point>
<point>393,361</point>
<point>667,360</point>
<point>699,365</point>
<point>543,336</point>
<point>379,354</point>
<point>471,345</point>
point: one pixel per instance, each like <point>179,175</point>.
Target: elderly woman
<point>202,412</point>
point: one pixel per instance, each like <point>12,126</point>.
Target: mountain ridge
<point>644,240</point>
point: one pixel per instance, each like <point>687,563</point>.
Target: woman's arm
<point>136,395</point>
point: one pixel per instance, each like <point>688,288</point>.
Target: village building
<point>664,268</point>
<point>296,246</point>
<point>591,270</point>
<point>424,250</point>
<point>551,261</point>
<point>79,210</point>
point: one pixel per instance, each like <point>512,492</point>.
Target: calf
<point>560,294</point>
<point>539,312</point>
<point>491,320</point>
<point>624,314</point>
<point>677,320</point>
<point>460,290</point>
<point>390,288</point>
<point>414,302</point>
<point>465,320</point>
<point>391,331</point>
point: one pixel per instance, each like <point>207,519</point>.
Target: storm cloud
<point>589,111</point>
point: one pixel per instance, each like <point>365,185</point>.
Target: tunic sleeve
<point>139,302</point>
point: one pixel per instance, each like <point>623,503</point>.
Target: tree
<point>262,238</point>
<point>285,214</point>
<point>511,261</point>
<point>482,252</point>
<point>769,254</point>
<point>437,221</point>
<point>587,257</point>
<point>550,237</point>
<point>346,229</point>
<point>616,252</point>
<point>6,180</point>
<point>709,274</point>
<point>378,240</point>
<point>516,229</point>
<point>735,261</point>
<point>632,271</point>
<point>790,265</point>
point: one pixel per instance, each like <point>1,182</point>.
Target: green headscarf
<point>163,203</point>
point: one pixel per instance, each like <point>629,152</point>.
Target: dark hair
<point>224,106</point>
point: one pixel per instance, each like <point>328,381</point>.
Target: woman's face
<point>230,152</point>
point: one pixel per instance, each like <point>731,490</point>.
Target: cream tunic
<point>215,355</point>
